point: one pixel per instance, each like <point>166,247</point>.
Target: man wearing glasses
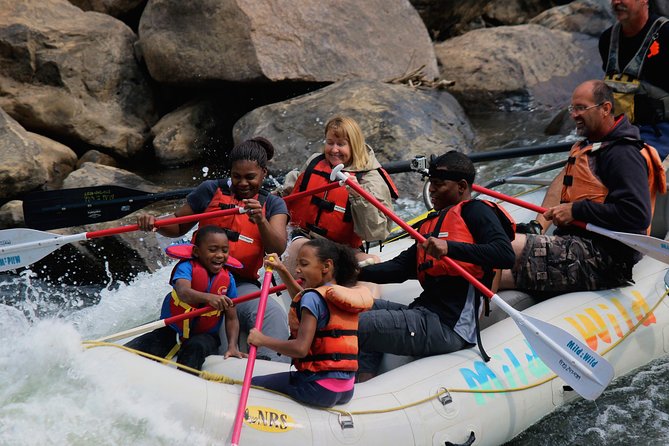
<point>635,56</point>
<point>610,180</point>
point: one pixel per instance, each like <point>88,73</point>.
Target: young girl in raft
<point>199,279</point>
<point>323,324</point>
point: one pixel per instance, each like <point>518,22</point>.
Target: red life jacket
<point>449,225</point>
<point>209,322</point>
<point>328,213</point>
<point>243,235</point>
<point>581,183</point>
<point>335,346</point>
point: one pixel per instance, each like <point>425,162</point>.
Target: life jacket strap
<point>330,357</point>
<point>335,333</point>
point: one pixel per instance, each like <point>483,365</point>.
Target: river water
<point>52,394</point>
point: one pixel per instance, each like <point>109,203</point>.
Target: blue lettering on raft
<point>10,260</point>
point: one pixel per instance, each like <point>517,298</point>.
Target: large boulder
<point>517,67</point>
<point>73,75</point>
<point>590,17</point>
<point>20,169</point>
<point>399,122</point>
<point>309,40</point>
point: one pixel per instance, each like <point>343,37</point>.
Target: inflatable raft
<point>452,399</point>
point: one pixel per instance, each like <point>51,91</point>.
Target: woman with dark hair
<point>261,229</point>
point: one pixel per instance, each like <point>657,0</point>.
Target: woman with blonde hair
<point>340,214</point>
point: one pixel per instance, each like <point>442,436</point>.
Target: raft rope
<point>215,377</point>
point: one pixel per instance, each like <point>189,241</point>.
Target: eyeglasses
<point>582,108</point>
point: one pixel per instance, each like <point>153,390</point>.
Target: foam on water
<point>51,393</point>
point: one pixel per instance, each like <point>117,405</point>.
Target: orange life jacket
<point>335,346</point>
<point>449,225</point>
<point>328,213</point>
<point>580,182</point>
<point>209,322</point>
<point>243,235</point>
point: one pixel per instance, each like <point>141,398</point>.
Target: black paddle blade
<point>87,205</point>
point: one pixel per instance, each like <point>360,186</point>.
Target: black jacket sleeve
<point>492,247</point>
<point>397,270</point>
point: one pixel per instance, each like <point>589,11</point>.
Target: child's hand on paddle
<point>272,261</point>
<point>256,337</point>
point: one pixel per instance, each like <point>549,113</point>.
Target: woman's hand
<point>351,191</point>
<point>254,210</point>
<point>146,222</point>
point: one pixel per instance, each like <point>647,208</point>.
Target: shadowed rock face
<point>116,8</point>
<point>448,18</point>
<point>73,75</point>
<point>268,40</point>
<point>517,67</point>
<point>20,170</point>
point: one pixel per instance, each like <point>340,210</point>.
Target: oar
<point>572,360</point>
<point>248,374</point>
<point>645,244</point>
<point>21,247</point>
<point>180,317</point>
<point>85,205</point>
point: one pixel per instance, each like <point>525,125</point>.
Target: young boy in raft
<point>199,279</point>
<point>323,324</point>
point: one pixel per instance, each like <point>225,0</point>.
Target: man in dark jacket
<point>610,180</point>
<point>443,318</point>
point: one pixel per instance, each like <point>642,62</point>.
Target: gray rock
<point>97,157</point>
<point>91,174</point>
<point>56,159</point>
<point>590,17</point>
<point>516,12</point>
<point>20,170</point>
<point>185,134</point>
<point>449,18</point>
<point>73,75</point>
<point>521,67</point>
<point>310,40</point>
<point>11,214</point>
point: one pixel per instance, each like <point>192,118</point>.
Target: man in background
<point>635,58</point>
